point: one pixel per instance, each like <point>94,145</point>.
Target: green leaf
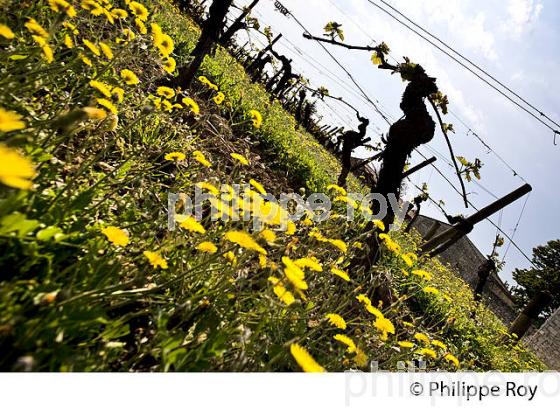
<point>375,59</point>
<point>49,233</point>
<point>115,330</point>
<point>463,161</point>
<point>17,222</point>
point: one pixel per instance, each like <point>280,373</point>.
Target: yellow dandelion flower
<point>304,359</point>
<point>430,289</point>
<point>406,345</point>
<point>106,50</point>
<point>101,87</point>
<point>281,292</point>
<point>421,337</point>
<point>92,47</point>
<point>295,278</point>
<point>155,259</point>
<point>92,6</point>
<point>107,104</point>
<point>129,77</point>
<point>422,273</point>
<point>262,261</point>
<point>219,98</point>
<point>425,351</point>
<point>110,18</point>
<point>340,244</point>
<point>68,42</point>
<point>165,45</point>
<point>363,299</point>
<point>309,263</point>
<point>240,158</point>
<point>48,53</point>
<point>63,5</point>
<point>439,344</point>
<point>379,224</point>
<point>452,359</point>
<point>244,240</point>
<point>175,156</point>
<point>166,92</point>
<point>86,60</point>
<point>207,247</point>
<point>291,228</point>
<point>199,156</point>
<point>209,187</point>
<point>346,200</point>
<point>10,121</point>
<point>390,243</point>
<point>6,32</point>
<point>207,82</point>
<point>16,171</point>
<point>157,32</point>
<point>385,326</point>
<point>118,94</point>
<point>294,273</point>
<point>307,222</point>
<point>368,305</point>
<point>347,341</point>
<point>36,29</point>
<point>337,188</point>
<point>94,113</point>
<point>128,34</point>
<point>167,106</point>
<point>407,259</point>
<point>170,65</point>
<point>231,258</point>
<point>340,273</point>
<point>268,235</point>
<point>139,10</point>
<point>71,27</point>
<point>257,186</point>
<point>192,105</point>
<point>358,245</point>
<point>191,224</point>
<point>119,13</point>
<point>336,320</point>
<point>116,235</point>
<point>256,117</point>
<point>373,310</point>
<point>142,29</point>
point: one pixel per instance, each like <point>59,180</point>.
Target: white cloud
<point>477,38</point>
<point>522,14</point>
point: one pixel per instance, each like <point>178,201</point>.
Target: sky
<point>517,41</point>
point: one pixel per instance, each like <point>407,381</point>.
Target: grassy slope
<point>76,302</point>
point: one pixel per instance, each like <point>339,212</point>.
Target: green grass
<point>72,300</point>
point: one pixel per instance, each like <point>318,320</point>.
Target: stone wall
<point>545,342</point>
<point>465,259</point>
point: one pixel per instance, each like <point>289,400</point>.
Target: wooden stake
<point>447,238</point>
<point>419,167</point>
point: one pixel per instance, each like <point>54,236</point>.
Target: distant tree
<point>544,276</point>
